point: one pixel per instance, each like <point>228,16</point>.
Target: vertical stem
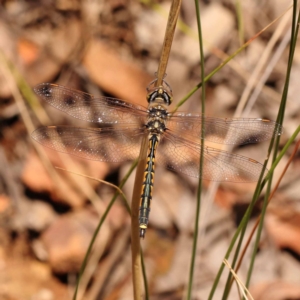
<point>199,191</point>
<point>135,205</point>
<point>135,229</point>
<point>171,25</point>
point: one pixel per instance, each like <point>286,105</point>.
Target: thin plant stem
<point>224,62</point>
<point>135,204</point>
<point>294,34</point>
<point>144,277</point>
<point>135,234</point>
<point>169,35</point>
<point>274,141</point>
<point>244,227</point>
<point>242,223</point>
<point>199,190</point>
<point>88,252</point>
<point>269,200</point>
<point>239,15</point>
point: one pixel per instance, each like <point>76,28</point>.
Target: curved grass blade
<point>88,252</point>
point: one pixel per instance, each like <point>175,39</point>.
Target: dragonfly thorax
<point>158,116</point>
<point>158,112</point>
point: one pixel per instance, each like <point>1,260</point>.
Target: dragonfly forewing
<point>80,105</point>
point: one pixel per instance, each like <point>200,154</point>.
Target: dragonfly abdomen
<point>147,187</point>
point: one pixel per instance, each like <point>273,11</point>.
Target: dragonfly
<point>174,138</point>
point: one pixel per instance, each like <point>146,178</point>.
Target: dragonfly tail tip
<point>142,233</point>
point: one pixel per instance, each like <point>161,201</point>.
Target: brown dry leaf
<point>226,198</point>
<point>276,290</point>
<point>172,274</point>
<point>37,215</point>
<point>28,51</point>
<point>5,203</point>
<point>214,33</point>
<point>161,252</point>
<point>115,76</point>
<point>8,47</point>
<point>29,279</point>
<point>55,48</point>
<point>284,227</point>
<point>67,239</point>
<point>66,5</point>
<point>37,179</point>
<point>40,183</point>
<point>118,216</point>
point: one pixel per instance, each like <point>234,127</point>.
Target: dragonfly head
<point>160,95</point>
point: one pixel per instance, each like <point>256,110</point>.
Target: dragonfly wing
<point>224,131</point>
<point>86,107</point>
<point>181,155</point>
<point>103,144</point>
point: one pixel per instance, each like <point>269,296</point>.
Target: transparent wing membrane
<point>104,144</point>
<point>80,105</point>
<point>122,126</point>
<point>224,131</point>
<point>183,156</point>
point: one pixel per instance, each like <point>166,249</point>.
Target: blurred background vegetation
<point>112,48</point>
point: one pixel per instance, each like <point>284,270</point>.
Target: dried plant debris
<point>112,48</point>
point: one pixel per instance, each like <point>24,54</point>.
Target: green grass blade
<point>243,229</point>
<point>240,22</point>
<point>103,218</point>
<point>199,191</point>
<point>294,34</point>
<point>144,277</point>
<point>242,223</point>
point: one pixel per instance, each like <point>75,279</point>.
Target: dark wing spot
<point>69,101</point>
<point>43,90</point>
<point>46,91</point>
